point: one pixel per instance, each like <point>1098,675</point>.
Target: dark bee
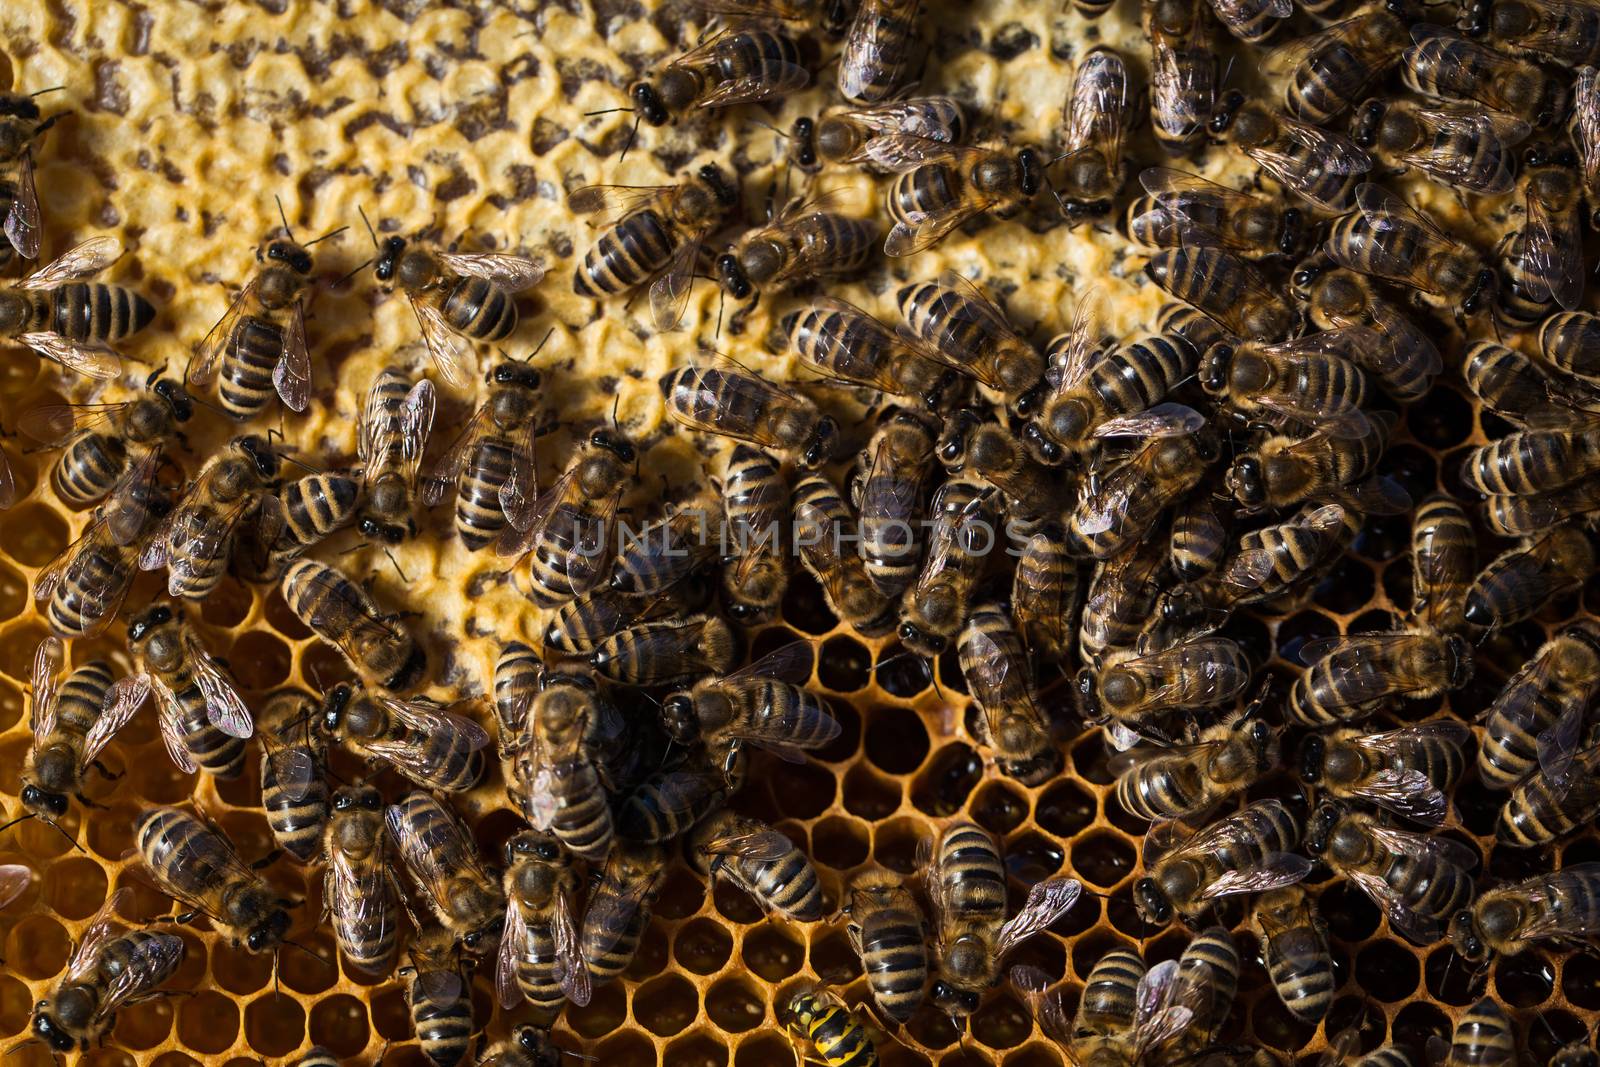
<point>653,236</point>
<point>1562,31</point>
<point>490,464</point>
<point>1406,362</point>
<point>1246,852</point>
<point>1483,1038</point>
<point>996,669</point>
<point>1543,262</point>
<point>935,608</point>
<point>1538,716</point>
<point>823,526</point>
<point>391,437</point>
<point>1185,209</point>
<point>668,551</point>
<point>1307,380</point>
<point>443,859</point>
<point>1252,21</point>
<point>1509,384</point>
<point>20,126</point>
<point>619,909</point>
<point>418,738</point>
<point>840,341</point>
<point>1445,65</point>
<point>889,493</point>
<point>375,644</point>
<point>529,1047</point>
<point>1281,471</point>
<point>1407,771</point>
<point>1330,71</point>
<point>1418,881</point>
<point>664,651</point>
<point>1562,906</point>
<point>1585,129</point>
<point>1096,116</point>
<point>194,864</point>
<point>1294,941</point>
<point>733,402</point>
<point>1227,289</point>
<point>1467,148</point>
<point>82,589</point>
<point>436,993</point>
<point>1349,677</point>
<point>1316,165</point>
<point>973,444</point>
<point>755,498</point>
<point>801,243</point>
<point>294,794</point>
<point>539,956</point>
<point>761,861</point>
<point>202,718</point>
<point>1521,580</point>
<point>110,968</point>
<point>311,508</point>
<point>1443,551</point>
<point>890,935</point>
<point>1122,594</point>
<point>877,49</point>
<point>1542,809</point>
<point>930,201</point>
<point>1170,783</point>
<point>895,135</point>
<point>671,801</point>
<point>74,322</point>
<point>738,65</point>
<point>457,298</point>
<point>259,344</point>
<point>359,892</point>
<point>1199,537</point>
<point>197,538</point>
<point>1183,71</point>
<point>1135,688</point>
<point>1535,460</point>
<point>1570,340</point>
<point>557,740</point>
<point>1044,596</point>
<point>963,329</point>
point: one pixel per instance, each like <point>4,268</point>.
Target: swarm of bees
<point>1086,526</point>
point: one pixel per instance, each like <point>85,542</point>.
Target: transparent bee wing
<point>520,491</point>
<point>1277,869</point>
<point>440,988</point>
<point>296,770</point>
<point>102,928</point>
<point>1096,111</point>
<point>439,860</point>
<point>80,261</point>
<point>197,545</point>
<point>1047,902</point>
<point>451,352</point>
<point>610,914</point>
<point>416,421</point>
<point>1320,152</point>
<point>207,358</point>
<point>1082,349</point>
<point>610,204</point>
<point>1440,156</point>
<point>921,230</point>
<point>1237,14</point>
<point>103,588</point>
<point>1180,92</point>
<point>291,376</point>
<point>208,851</point>
<point>1557,746</point>
<point>14,880</point>
<point>1285,58</point>
<point>8,483</point>
<point>513,937</point>
<point>774,80</point>
<point>1423,846</point>
<point>513,542</point>
<point>1552,253</point>
<point>1156,1019</point>
<point>169,719</point>
<point>1034,984</point>
<point>513,273</point>
<point>432,719</point>
<point>47,661</point>
<point>790,663</point>
<point>1407,793</point>
<point>871,45</point>
<point>358,895</point>
<point>1189,201</point>
<point>757,846</point>
<point>128,507</point>
<point>669,293</point>
<point>1163,420</point>
<point>1551,903</point>
<point>444,475</point>
<point>1377,495</point>
<point>91,362</point>
<point>575,979</point>
<point>1586,124</point>
<point>1338,423</point>
<point>23,224</point>
<point>1419,928</point>
<point>56,424</point>
<point>125,697</point>
<point>224,707</point>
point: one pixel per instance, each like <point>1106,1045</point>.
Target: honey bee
<point>1096,116</point>
<point>935,608</point>
<point>762,861</point>
<point>457,299</point>
<point>294,794</point>
<point>1405,361</point>
<point>1483,1038</point>
<point>193,863</point>
<point>1562,906</point>
<point>1118,506</point>
<point>444,861</point>
<point>529,1047</point>
<point>20,126</point>
<point>1537,719</point>
<point>1570,340</point>
<point>1121,595</point>
<point>893,136</point>
<point>1329,71</point>
<point>1294,943</point>
<point>562,733</point>
<point>1252,21</point>
<point>619,908</point>
<point>1125,1014</point>
<point>1521,580</point>
<point>197,538</point>
<point>972,443</point>
<point>1509,384</point>
<point>1535,460</point>
<point>733,402</point>
<point>82,589</point>
<point>539,958</point>
<point>822,526</point>
<point>1246,852</point>
<point>1298,550</point>
<point>375,644</point>
<point>755,502</point>
<point>111,968</point>
<point>74,322</point>
<point>1408,771</point>
<point>963,329</point>
<point>1443,549</point>
<point>437,996</point>
<point>1133,687</point>
<point>311,509</point>
<point>421,740</point>
<point>1418,881</point>
<point>889,494</point>
<point>491,463</point>
<point>1458,146</point>
<point>1585,129</point>
<point>1183,209</point>
<point>391,437</point>
<point>1528,516</point>
<point>931,200</point>
<point>995,666</point>
<point>671,801</point>
<point>1306,380</point>
<point>1317,165</point>
<point>762,704</point>
<point>1388,239</point>
<point>203,719</point>
<point>653,237</point>
<point>317,1056</point>
<point>841,342</point>
<point>667,551</point>
<point>72,721</point>
<point>877,49</point>
<point>1541,808</point>
<point>1445,65</point>
<point>111,449</point>
<point>1349,677</point>
<point>802,242</point>
<point>1227,289</point>
<point>837,1037</point>
<point>1183,71</point>
<point>566,534</point>
<point>890,935</point>
<point>1567,33</point>
<point>1281,471</point>
<point>1044,595</point>
<point>967,895</point>
<point>738,65</point>
<point>658,653</point>
<point>1171,783</point>
<point>259,344</point>
<point>359,890</point>
<point>1543,261</point>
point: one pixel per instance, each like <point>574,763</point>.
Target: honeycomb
<point>183,121</point>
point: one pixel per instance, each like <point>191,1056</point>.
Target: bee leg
<point>87,803</point>
<point>184,918</point>
<point>105,772</point>
<point>268,860</point>
<point>736,321</point>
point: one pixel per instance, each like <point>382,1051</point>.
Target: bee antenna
<point>301,464</point>
<point>396,563</point>
<point>540,346</point>
<point>324,237</point>
<point>319,957</point>
<point>633,133</point>
<point>370,231</point>
<point>344,278</point>
<point>282,217</point>
<point>722,299</point>
<point>605,111</point>
<point>24,817</point>
<point>769,126</point>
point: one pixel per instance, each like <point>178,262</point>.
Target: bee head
<point>1483,290</point>
<point>357,798</point>
<point>648,104</point>
<point>176,397</point>
<point>1293,235</point>
<point>531,843</point>
<point>334,706</point>
<point>614,443</point>
<point>259,453</point>
<point>921,641</point>
<point>141,625</point>
<point>291,255</point>
<point>1214,366</point>
<point>46,1029</point>
<point>268,933</point>
<point>723,191</point>
<point>1312,755</point>
<point>678,716</point>
<point>532,1041</point>
<point>743,612</point>
<point>1368,118</point>
<point>959,1003</point>
<point>1030,171</point>
<point>389,254</point>
<point>1245,480</point>
<point>42,802</point>
<point>18,106</point>
<point>484,937</point>
<point>804,136</point>
<point>1227,108</point>
<point>822,444</point>
<point>733,278</point>
<point>1476,17</point>
<point>1028,404</point>
<point>1088,698</point>
<point>1465,937</point>
<point>1151,901</point>
<point>375,529</point>
<point>1319,828</point>
<point>956,437</point>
